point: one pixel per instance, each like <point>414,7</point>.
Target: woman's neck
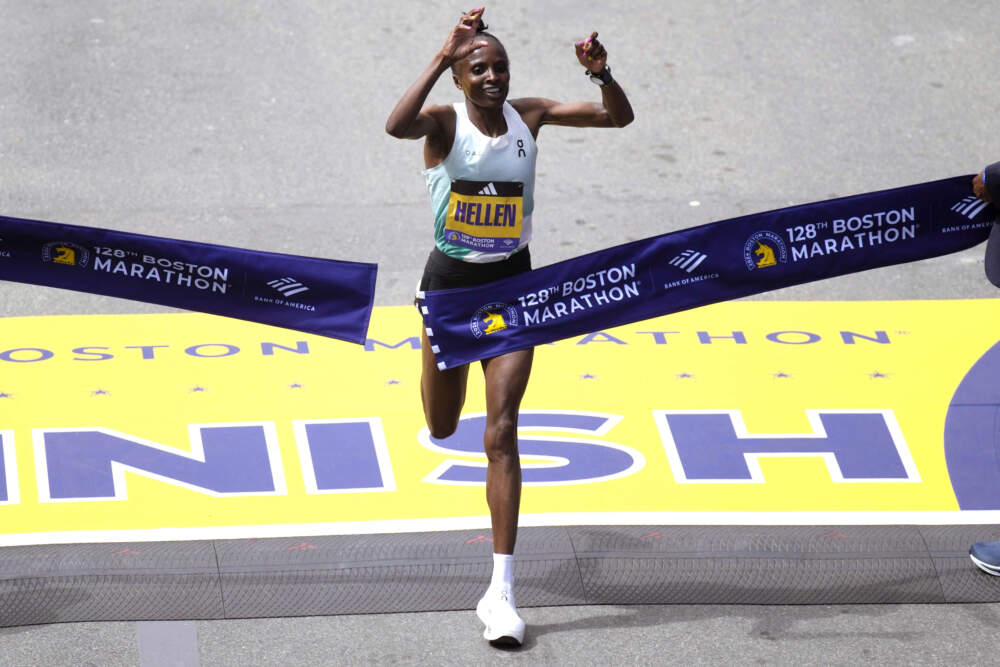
<point>490,122</point>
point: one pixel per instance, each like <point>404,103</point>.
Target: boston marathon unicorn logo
<point>494,323</point>
<point>766,255</point>
<point>763,250</point>
<point>493,318</point>
<point>65,253</point>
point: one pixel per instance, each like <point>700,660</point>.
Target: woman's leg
<point>442,392</point>
<point>506,381</point>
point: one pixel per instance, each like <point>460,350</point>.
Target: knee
<point>500,439</point>
<point>442,416</point>
<point>441,428</point>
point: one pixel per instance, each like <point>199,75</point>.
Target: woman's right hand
<point>462,40</point>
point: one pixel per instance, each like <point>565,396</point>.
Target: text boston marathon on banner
<point>702,265</point>
<point>320,296</point>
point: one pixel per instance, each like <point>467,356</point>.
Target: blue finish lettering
<point>94,355</point>
<point>849,336</point>
<point>706,339</point>
<point>414,342</point>
<point>715,446</point>
<point>227,350</point>
<point>604,338</point>
<point>571,460</point>
<point>659,337</point>
<point>972,435</point>
<point>148,351</point>
<point>33,354</point>
<point>345,456</point>
<point>301,347</point>
<point>793,337</point>
<point>88,464</point>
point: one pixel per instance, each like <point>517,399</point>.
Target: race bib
<point>485,215</point>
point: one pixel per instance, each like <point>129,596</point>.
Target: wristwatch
<point>602,78</point>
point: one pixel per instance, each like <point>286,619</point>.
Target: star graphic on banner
<point>4,394</point>
<point>684,376</point>
<point>197,389</point>
<point>100,392</point>
<point>392,382</point>
<point>781,375</point>
<point>876,375</point>
<point>588,376</point>
<point>295,385</point>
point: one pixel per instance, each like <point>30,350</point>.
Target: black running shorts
<point>444,272</point>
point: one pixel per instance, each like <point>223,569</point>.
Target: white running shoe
<point>497,612</point>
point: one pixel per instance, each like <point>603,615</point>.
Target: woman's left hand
<point>591,53</point>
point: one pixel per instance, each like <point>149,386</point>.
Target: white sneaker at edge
<point>497,612</point>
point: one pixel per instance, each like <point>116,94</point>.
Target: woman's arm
<point>614,109</point>
<point>409,120</point>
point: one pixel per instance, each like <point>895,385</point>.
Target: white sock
<point>503,571</point>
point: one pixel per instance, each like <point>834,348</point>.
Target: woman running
<point>477,153</point>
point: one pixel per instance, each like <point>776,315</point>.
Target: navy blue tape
<point>702,265</point>
<point>326,297</point>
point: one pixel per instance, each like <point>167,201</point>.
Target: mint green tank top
<point>482,194</point>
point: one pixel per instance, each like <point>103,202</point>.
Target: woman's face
<point>484,76</point>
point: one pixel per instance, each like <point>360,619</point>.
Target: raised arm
<point>614,109</point>
<point>409,120</point>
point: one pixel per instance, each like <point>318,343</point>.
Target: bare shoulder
<point>441,134</point>
<point>443,114</point>
<point>533,111</point>
<point>523,104</point>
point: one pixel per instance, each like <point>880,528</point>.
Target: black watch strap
<point>602,78</point>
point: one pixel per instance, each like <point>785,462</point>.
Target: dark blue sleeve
<point>993,255</point>
<point>993,181</point>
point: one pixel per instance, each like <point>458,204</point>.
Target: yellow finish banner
<point>177,426</point>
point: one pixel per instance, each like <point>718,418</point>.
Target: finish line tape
<point>694,267</point>
<point>321,296</point>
